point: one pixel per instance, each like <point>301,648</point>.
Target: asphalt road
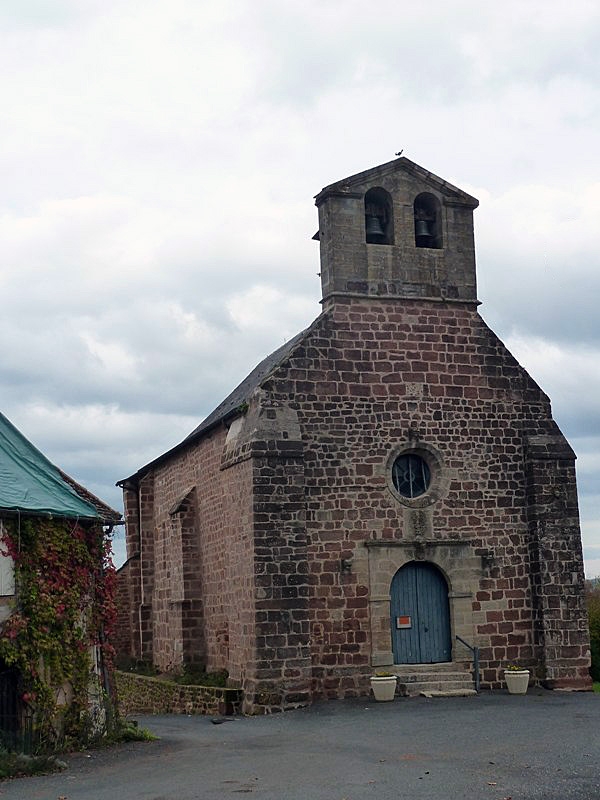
<point>494,746</point>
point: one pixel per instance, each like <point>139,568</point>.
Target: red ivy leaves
<point>65,603</point>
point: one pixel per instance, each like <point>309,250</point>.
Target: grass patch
<point>197,677</point>
<point>18,765</point>
<point>597,687</point>
<point>128,731</point>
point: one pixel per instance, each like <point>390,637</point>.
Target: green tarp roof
<point>31,484</point>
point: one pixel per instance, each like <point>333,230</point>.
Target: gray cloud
<point>159,163</point>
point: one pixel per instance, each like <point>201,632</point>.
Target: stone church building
<point>384,488</point>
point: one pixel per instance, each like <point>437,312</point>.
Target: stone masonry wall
<point>557,564</point>
<point>124,637</point>
<point>129,584</point>
<point>350,265</point>
<point>201,540</point>
<point>267,438</point>
<point>373,375</point>
<point>138,694</point>
<point>283,675</point>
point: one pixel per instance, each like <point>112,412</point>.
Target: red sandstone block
<point>493,616</point>
<point>364,469</point>
<point>490,628</point>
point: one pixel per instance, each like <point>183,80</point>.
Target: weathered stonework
<point>138,694</point>
<point>267,542</point>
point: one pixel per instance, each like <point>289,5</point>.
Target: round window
<point>410,475</point>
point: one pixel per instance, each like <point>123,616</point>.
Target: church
<point>387,491</point>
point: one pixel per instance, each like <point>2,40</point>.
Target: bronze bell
<point>375,232</point>
<point>422,233</point>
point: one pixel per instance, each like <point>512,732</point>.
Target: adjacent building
<point>56,601</point>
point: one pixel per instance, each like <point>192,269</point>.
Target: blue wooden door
<point>420,615</point>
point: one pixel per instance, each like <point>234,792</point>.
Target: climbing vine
<point>64,605</point>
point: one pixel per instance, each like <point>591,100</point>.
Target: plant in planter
<point>383,685</point>
<point>517,679</point>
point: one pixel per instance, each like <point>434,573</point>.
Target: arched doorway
<point>420,615</point>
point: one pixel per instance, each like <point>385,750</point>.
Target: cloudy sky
<point>159,160</point>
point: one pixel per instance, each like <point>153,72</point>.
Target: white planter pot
<point>384,688</point>
<point>517,680</point>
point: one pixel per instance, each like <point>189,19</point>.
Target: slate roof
<point>230,406</point>
<point>107,514</point>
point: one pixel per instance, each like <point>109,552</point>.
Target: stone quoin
<point>388,480</point>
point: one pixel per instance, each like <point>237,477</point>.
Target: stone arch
<point>379,216</point>
<point>458,564</point>
<point>185,606</point>
<point>420,615</point>
<point>427,213</point>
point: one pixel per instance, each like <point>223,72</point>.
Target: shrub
<point>593,607</point>
<point>196,676</point>
<point>136,665</point>
<point>14,765</point>
<point>128,731</point>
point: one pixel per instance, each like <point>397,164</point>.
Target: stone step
<point>443,666</point>
<point>434,680</point>
<point>445,679</point>
<point>451,693</point>
<point>411,677</point>
<point>417,687</point>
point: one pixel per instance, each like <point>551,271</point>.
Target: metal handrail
<point>475,651</point>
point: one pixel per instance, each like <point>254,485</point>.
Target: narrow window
<point>428,222</point>
<point>379,218</point>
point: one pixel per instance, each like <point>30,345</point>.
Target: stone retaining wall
<point>138,694</point>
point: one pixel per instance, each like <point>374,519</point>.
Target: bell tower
<point>396,231</point>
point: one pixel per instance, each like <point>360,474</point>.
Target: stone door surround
<point>459,565</point>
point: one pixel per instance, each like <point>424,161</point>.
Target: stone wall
<point>351,266</point>
<point>191,596</point>
<point>560,620</point>
<point>142,695</point>
<point>123,638</point>
<point>372,377</point>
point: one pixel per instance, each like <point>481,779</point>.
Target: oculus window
<point>411,475</point>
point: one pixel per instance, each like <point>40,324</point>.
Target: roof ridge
<point>403,163</point>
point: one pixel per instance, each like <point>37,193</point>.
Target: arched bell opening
<point>379,217</point>
<point>428,221</point>
<point>420,615</point>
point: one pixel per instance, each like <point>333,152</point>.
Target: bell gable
<point>397,231</point>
